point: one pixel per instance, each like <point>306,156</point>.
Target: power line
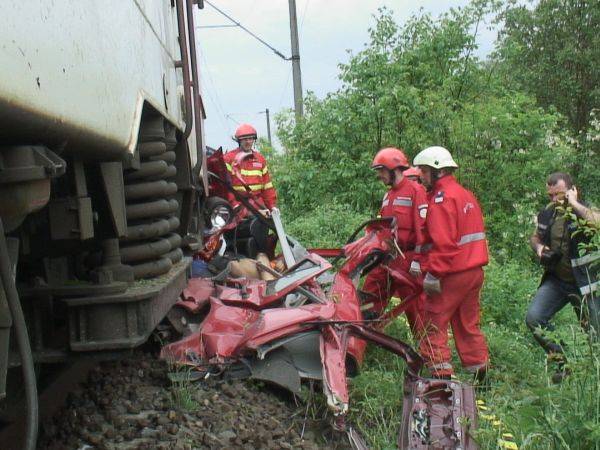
<point>304,15</point>
<point>277,52</point>
<point>245,113</point>
<point>228,116</point>
<point>287,80</point>
<point>217,103</point>
<point>216,26</point>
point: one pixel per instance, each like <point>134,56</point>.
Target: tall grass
<point>522,399</point>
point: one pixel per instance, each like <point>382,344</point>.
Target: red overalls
<point>407,202</point>
<point>250,177</point>
<point>458,250</point>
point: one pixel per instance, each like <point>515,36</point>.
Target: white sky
<point>241,77</point>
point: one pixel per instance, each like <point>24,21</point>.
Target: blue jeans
<point>552,296</point>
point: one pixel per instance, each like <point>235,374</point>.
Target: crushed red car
<point>304,323</point>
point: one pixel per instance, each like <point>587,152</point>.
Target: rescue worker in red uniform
<point>413,174</point>
<point>250,178</point>
<point>407,202</point>
<point>453,268</point>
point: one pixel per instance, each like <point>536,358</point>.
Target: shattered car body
<point>296,327</point>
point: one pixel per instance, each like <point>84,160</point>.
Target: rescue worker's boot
<point>480,379</point>
<point>561,373</point>
<point>562,370</point>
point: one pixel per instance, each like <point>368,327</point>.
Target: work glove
<point>415,269</point>
<point>431,285</point>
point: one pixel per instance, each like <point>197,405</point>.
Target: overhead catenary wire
<point>304,15</point>
<point>262,41</point>
<point>216,101</point>
<point>236,23</point>
<point>216,26</point>
<point>228,117</point>
<point>285,85</point>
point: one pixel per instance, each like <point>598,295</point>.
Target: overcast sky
<point>241,77</point>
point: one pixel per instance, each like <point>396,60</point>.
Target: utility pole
<point>268,127</point>
<point>266,112</point>
<point>295,58</point>
<point>297,77</point>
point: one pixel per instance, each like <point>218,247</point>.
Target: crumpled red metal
<point>246,315</point>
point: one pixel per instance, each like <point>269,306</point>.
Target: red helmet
<point>390,158</point>
<point>245,131</point>
<point>412,172</point>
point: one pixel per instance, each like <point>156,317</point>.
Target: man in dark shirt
<point>567,276</point>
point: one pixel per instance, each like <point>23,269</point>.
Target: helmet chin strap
<point>392,177</point>
<point>242,147</point>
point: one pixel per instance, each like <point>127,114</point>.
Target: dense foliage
<point>529,109</point>
<point>553,51</point>
<point>421,85</point>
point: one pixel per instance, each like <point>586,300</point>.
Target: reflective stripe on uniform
<point>385,203</point>
<point>251,173</point>
<point>473,237</point>
<point>265,170</point>
<point>402,202</point>
<point>229,167</point>
<point>252,187</point>
<point>585,259</point>
<point>541,226</point>
<point>467,238</point>
<point>269,185</point>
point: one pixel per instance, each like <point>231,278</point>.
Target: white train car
<point>101,155</point>
<point>82,71</point>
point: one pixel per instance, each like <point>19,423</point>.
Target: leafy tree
<point>418,85</point>
<point>412,87</point>
<point>553,51</point>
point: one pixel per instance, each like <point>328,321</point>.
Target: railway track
<point>131,404</point>
<point>56,382</point>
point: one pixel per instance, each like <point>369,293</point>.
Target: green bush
<point>326,226</point>
<point>508,289</point>
<point>413,87</point>
<point>418,85</point>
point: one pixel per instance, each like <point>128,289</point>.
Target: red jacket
<point>250,177</point>
<point>407,202</point>
<point>455,229</point>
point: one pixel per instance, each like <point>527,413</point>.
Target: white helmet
<point>436,157</point>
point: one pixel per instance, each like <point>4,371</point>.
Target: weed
<point>184,393</point>
<point>522,400</point>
